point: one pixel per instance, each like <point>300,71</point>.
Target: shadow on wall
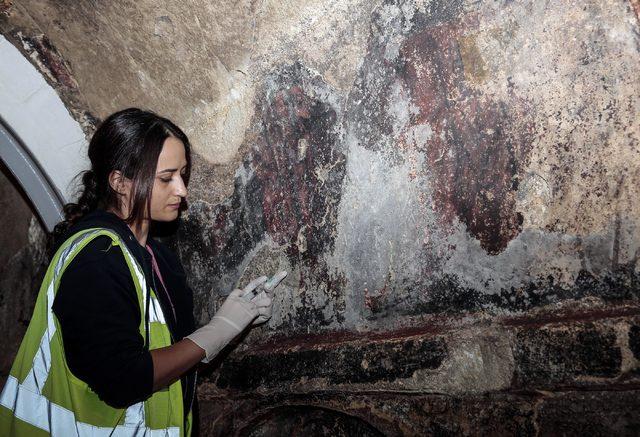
<point>23,262</point>
<point>299,420</point>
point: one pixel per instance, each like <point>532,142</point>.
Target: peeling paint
<point>5,7</point>
<point>47,58</point>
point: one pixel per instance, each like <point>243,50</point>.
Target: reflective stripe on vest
<point>28,401</point>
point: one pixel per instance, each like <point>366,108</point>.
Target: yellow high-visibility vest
<point>42,396</point>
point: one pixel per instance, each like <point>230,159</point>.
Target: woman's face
<point>169,188</point>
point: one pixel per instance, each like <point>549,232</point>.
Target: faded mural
<point>471,166</point>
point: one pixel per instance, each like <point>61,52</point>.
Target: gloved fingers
<point>236,293</point>
<point>264,314</point>
<point>243,304</point>
<point>252,286</point>
<point>261,319</point>
<point>233,317</point>
<point>238,308</point>
<point>275,280</point>
<point>263,303</point>
<point>261,295</point>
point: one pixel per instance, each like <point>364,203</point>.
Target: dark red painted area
<point>5,6</point>
<point>50,58</point>
<point>289,190</point>
<point>476,151</point>
<point>572,315</point>
<point>299,168</point>
<point>635,5</point>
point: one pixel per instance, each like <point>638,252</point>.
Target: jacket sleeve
<point>97,309</point>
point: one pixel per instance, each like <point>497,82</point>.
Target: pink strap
<point>154,264</point>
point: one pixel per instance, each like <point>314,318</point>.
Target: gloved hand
<point>264,297</point>
<point>235,314</point>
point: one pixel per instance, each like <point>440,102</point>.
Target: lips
<point>174,205</point>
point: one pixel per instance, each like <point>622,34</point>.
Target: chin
<point>166,217</point>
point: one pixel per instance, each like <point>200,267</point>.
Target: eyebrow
<point>170,170</point>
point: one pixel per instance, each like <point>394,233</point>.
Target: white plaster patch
<point>37,116</point>
<point>220,126</point>
<point>379,232</point>
<point>534,198</point>
<point>420,134</point>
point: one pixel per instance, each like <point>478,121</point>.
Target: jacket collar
<point>105,219</point>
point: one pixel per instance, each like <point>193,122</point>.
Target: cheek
<point>159,197</point>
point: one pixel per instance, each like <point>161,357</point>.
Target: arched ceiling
<point>40,142</point>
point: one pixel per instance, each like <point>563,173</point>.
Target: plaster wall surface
<point>452,185</point>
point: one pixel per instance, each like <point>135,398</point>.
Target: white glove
<point>264,297</point>
<point>235,314</point>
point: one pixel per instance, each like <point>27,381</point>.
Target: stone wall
<point>22,265</point>
<point>453,186</point>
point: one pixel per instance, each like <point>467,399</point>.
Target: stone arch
<point>308,421</point>
<point>40,142</point>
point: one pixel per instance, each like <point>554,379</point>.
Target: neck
<point>140,230</point>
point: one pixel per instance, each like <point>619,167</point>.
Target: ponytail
<point>87,202</point>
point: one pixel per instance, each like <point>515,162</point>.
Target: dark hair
<point>129,141</point>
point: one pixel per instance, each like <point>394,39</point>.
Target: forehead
<point>172,154</point>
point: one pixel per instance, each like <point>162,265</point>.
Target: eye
<point>165,180</point>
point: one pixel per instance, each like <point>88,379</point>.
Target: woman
<point>111,347</point>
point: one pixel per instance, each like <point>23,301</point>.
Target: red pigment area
<point>475,152</point>
<point>52,60</point>
<point>298,169</point>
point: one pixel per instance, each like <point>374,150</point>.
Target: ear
<point>119,183</point>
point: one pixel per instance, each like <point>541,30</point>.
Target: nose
<point>181,188</point>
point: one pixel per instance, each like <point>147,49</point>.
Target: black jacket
<point>97,308</point>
